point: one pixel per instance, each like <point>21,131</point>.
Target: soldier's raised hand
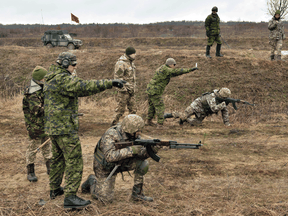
<point>118,83</point>
<point>193,69</point>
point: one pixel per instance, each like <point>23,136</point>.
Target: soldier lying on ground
<point>156,87</point>
<point>62,90</point>
<point>204,106</point>
<point>33,108</point>
<point>106,157</point>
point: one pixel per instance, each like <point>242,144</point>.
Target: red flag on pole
<point>74,18</point>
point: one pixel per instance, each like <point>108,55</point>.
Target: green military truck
<point>60,38</point>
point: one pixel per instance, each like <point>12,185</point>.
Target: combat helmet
<point>215,9</point>
<point>65,59</point>
<point>224,92</point>
<point>170,61</point>
<point>132,123</point>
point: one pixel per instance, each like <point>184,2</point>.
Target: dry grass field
<point>240,170</point>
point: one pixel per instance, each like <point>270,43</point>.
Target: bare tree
<point>274,5</point>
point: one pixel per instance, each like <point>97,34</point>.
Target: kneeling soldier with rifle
<point>119,150</point>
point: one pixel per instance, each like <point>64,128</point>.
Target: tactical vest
<point>99,156</point>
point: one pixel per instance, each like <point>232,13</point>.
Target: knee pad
<point>142,167</point>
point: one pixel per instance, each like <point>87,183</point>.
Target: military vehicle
<point>60,38</point>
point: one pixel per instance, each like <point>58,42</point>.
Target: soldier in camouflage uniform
<point>156,87</point>
<point>106,156</point>
<point>61,91</point>
<point>125,70</point>
<point>204,106</point>
<point>213,32</point>
<point>33,108</point>
<point>277,35</point>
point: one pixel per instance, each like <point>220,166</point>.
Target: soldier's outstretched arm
<point>71,85</point>
<point>180,71</point>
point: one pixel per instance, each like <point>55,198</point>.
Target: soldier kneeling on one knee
<point>106,157</point>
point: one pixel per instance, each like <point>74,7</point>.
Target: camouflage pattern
<point>162,77</point>
<point>61,99</point>
<point>132,124</point>
<point>212,24</point>
<point>156,87</point>
<point>125,69</point>
<point>277,34</point>
<point>61,91</point>
<point>202,107</point>
<point>125,99</point>
<point>67,158</point>
<point>33,145</point>
<point>105,191</point>
<point>224,92</point>
<point>33,108</point>
<point>156,107</point>
<point>66,58</point>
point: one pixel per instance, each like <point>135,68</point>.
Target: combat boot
<point>208,51</point>
<point>138,195</point>
<point>31,173</point>
<point>48,162</point>
<point>272,57</point>
<point>57,192</point>
<point>75,202</point>
<point>218,48</point>
<point>168,115</point>
<point>86,186</point>
<point>150,123</point>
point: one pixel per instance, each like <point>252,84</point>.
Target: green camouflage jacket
<point>33,108</point>
<point>276,29</point>
<point>125,70</point>
<point>61,91</point>
<point>161,78</point>
<point>212,24</point>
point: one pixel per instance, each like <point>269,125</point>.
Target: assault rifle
<point>153,142</point>
<point>233,101</point>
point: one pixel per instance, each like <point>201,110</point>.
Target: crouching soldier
<point>33,108</point>
<point>106,157</point>
<point>204,106</point>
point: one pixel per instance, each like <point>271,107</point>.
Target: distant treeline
<point>121,30</point>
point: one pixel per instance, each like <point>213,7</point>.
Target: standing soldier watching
<point>213,32</point>
<point>33,108</point>
<point>276,36</point>
<point>62,90</point>
<point>125,70</point>
<point>156,87</point>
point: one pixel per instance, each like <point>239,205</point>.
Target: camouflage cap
<point>39,73</point>
<point>170,61</point>
<point>215,9</point>
<point>278,12</point>
<point>132,123</point>
<point>66,58</point>
<point>224,92</point>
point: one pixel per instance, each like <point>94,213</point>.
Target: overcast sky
<point>128,11</point>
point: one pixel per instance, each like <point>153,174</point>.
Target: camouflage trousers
<point>66,158</point>
<point>156,106</point>
<point>105,190</point>
<point>33,145</point>
<point>214,38</point>
<point>276,46</point>
<point>125,99</point>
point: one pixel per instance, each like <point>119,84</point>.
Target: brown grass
<point>240,170</point>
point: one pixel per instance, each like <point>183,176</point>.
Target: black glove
<point>118,83</point>
<point>193,69</point>
<point>208,34</point>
